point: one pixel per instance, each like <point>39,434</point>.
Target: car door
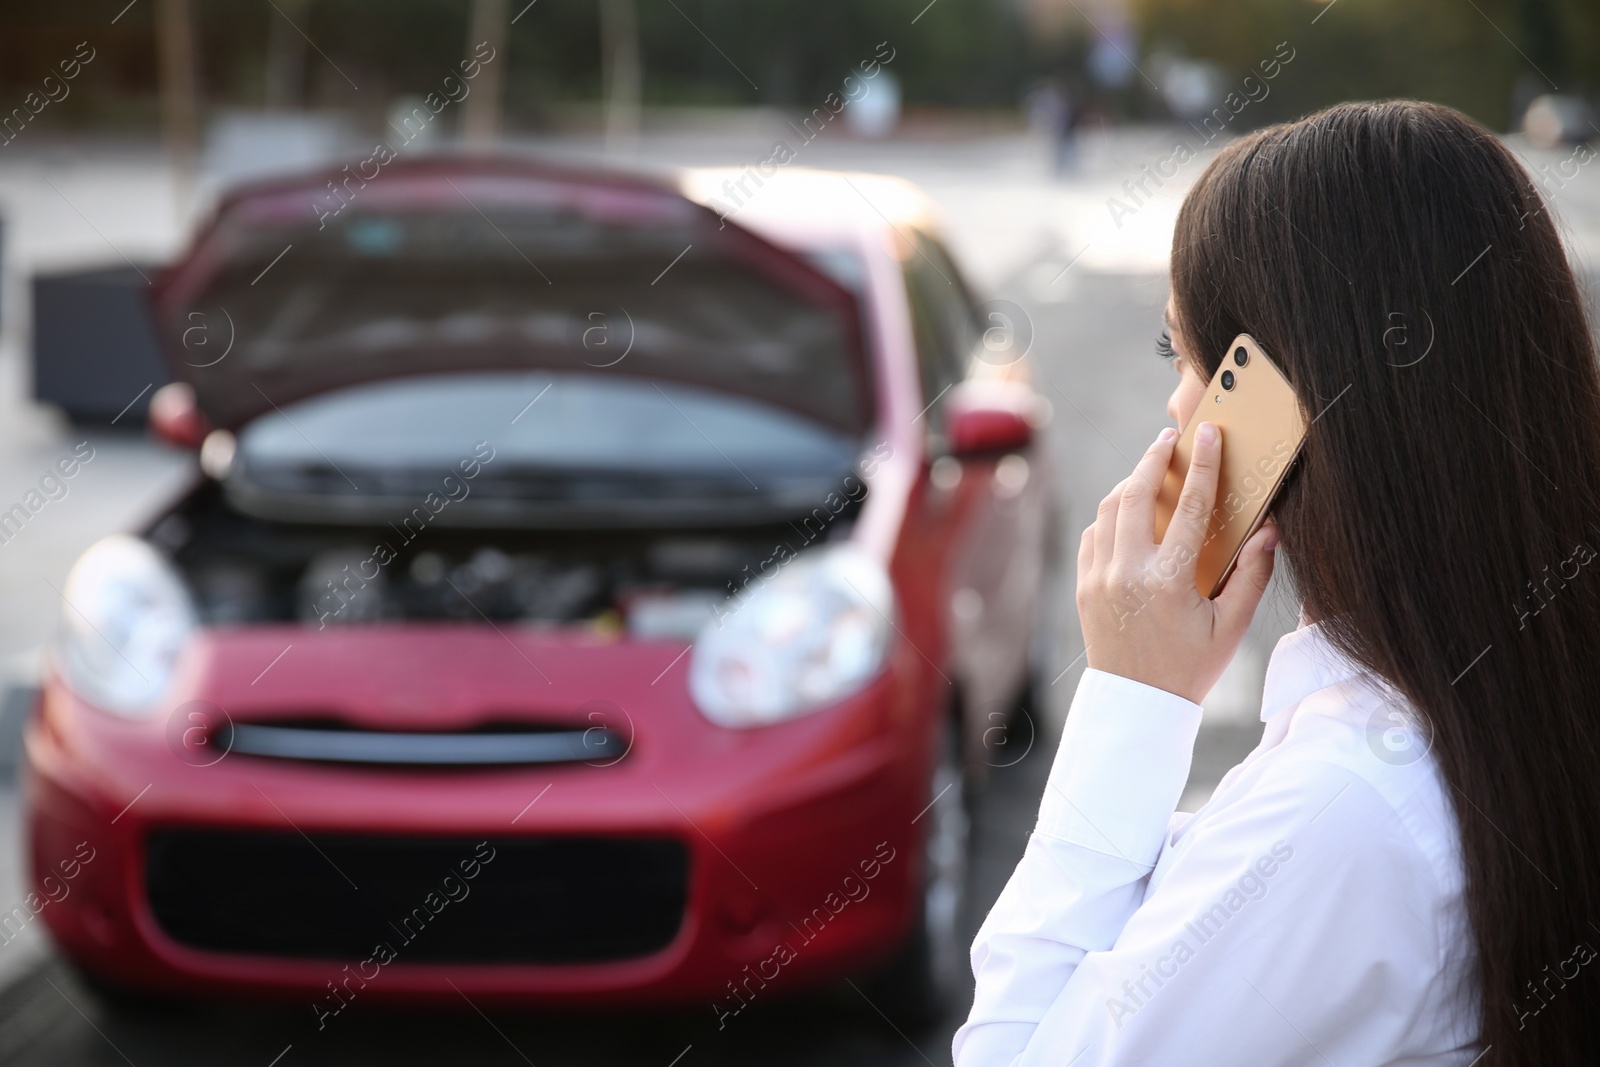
<point>993,505</point>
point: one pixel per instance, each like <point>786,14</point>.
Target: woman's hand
<point>1141,615</point>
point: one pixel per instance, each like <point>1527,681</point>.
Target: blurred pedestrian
<point>1054,111</point>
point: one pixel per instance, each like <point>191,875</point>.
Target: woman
<point>1404,871</point>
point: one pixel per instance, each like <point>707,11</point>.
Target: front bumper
<point>798,840</point>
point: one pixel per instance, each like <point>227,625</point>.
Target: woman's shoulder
<point>1355,763</point>
<point>1333,866</point>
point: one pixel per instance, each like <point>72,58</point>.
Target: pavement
<point>1093,291</point>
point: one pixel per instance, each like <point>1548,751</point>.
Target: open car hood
<point>303,286</point>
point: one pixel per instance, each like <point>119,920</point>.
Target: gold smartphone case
<point>1262,431</point>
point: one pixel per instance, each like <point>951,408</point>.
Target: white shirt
<point>1310,913</point>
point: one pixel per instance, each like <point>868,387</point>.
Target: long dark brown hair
<point>1400,265</point>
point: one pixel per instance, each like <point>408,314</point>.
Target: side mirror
<point>990,415</point>
<point>175,416</point>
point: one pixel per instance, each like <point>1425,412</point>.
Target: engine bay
<point>649,584</point>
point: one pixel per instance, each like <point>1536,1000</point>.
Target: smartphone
<point>1262,426</point>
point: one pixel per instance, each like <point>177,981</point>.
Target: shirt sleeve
<point>1300,928</point>
<point>1119,771</point>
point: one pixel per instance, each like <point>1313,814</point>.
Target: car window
<point>843,265</point>
<point>943,321</point>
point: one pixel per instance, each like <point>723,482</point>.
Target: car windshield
<point>561,439</point>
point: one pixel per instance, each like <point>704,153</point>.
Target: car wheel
<point>929,976</point>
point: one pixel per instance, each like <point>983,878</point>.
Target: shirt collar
<point>1303,662</point>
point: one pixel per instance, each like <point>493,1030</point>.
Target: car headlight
<point>125,619</point>
<point>812,634</point>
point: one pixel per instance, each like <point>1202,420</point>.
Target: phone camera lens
<point>1227,379</point>
<point>1240,356</point>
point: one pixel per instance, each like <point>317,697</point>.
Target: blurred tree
<point>1469,54</point>
<point>774,52</point>
<point>482,109</point>
<point>286,55</point>
<point>619,34</point>
<point>180,92</point>
<point>1474,54</point>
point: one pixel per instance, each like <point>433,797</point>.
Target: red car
<point>587,592</point>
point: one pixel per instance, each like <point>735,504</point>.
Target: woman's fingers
<point>1136,516</point>
<point>1191,523</point>
<point>1236,604</point>
<point>1105,524</point>
<point>1141,616</point>
<point>1127,513</point>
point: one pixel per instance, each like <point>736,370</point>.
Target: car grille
<point>486,747</point>
<point>537,900</point>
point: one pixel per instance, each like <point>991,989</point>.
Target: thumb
<point>1236,604</point>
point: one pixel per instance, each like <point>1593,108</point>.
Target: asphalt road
<point>1093,337</point>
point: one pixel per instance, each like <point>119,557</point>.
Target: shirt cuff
<point>1122,765</point>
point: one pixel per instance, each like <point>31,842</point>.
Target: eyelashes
<point>1164,346</point>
